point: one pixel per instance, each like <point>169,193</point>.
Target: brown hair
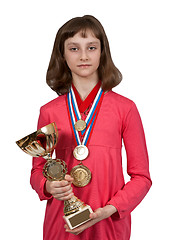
<point>59,76</point>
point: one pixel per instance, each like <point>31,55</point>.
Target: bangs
<point>84,34</point>
<point>81,24</point>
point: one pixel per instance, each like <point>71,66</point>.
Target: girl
<point>92,121</point>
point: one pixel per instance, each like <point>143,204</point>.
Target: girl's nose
<point>84,55</point>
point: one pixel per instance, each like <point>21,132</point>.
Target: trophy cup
<point>41,144</point>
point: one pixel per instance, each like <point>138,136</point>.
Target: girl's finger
<point>68,178</point>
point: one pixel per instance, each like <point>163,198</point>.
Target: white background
<point>138,32</point>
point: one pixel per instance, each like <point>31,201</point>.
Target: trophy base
<point>76,219</point>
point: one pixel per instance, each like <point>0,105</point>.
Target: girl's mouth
<point>84,65</point>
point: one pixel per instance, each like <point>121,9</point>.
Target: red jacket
<point>118,120</point>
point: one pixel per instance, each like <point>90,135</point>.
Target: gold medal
<point>81,175</point>
<point>81,152</point>
<point>80,125</point>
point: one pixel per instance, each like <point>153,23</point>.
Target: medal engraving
<point>80,125</point>
<point>81,152</point>
<point>81,175</point>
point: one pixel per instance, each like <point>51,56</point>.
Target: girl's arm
<point>126,199</point>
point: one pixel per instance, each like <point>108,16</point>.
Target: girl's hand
<point>98,215</point>
<point>60,190</point>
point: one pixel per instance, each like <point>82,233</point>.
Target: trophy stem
<point>73,205</point>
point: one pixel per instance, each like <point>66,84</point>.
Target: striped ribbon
<point>90,119</point>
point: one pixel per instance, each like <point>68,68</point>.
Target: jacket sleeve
<point>132,193</point>
<point>37,180</point>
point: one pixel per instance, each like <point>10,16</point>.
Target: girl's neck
<point>84,86</point>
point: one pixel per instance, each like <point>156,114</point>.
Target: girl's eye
<point>92,48</point>
<point>74,49</point>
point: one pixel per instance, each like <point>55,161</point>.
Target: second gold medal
<point>81,175</point>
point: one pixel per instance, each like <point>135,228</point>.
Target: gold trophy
<point>41,144</point>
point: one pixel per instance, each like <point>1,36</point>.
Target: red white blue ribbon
<point>75,115</point>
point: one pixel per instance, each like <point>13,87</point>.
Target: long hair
<point>59,76</point>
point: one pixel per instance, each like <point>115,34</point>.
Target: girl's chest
<point>106,131</point>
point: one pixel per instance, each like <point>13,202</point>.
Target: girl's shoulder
<point>57,102</point>
<point>119,100</point>
<point>120,104</point>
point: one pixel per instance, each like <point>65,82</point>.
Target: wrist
<point>110,210</point>
<point>46,193</point>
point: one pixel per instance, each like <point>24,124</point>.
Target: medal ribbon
<point>72,119</point>
<point>92,110</point>
<point>75,115</point>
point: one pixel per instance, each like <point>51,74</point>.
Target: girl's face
<point>83,55</point>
